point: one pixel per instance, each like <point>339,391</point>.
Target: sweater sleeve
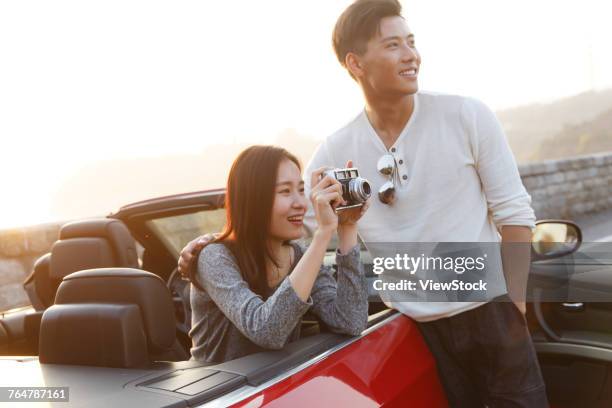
<point>507,200</point>
<point>266,323</point>
<point>343,306</point>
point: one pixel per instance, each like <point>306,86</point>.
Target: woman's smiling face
<point>290,204</point>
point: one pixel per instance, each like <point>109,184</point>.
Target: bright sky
<point>82,81</point>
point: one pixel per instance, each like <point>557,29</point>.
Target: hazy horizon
<point>120,81</point>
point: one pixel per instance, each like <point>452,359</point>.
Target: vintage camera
<point>355,190</point>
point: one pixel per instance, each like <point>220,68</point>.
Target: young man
<point>454,180</point>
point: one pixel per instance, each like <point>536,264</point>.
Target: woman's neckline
<point>293,262</point>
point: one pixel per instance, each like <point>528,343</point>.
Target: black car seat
<point>111,317</point>
<point>38,285</point>
<point>95,243</point>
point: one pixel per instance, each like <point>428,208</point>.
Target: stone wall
<point>569,187</point>
<point>19,249</point>
<point>559,189</point>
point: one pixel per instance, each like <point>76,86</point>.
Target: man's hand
<point>522,307</point>
<point>516,259</point>
<point>190,253</point>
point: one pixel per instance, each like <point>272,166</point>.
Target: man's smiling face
<point>390,64</point>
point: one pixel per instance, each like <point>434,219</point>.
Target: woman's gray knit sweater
<point>230,321</point>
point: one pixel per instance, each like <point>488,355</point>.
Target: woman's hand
<point>325,195</point>
<point>347,223</point>
<point>347,227</point>
<point>350,216</point>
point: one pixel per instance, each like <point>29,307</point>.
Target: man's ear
<point>353,64</point>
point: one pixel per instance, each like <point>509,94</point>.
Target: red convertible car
<point>110,316</point>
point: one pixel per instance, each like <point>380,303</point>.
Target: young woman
<point>253,284</point>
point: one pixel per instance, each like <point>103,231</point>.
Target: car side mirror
<point>554,239</point>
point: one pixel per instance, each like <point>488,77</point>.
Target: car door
<point>570,319</point>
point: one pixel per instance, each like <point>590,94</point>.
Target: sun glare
<point>85,83</point>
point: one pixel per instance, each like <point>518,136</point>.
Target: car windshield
<point>177,230</point>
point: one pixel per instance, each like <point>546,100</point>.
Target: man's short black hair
<point>359,23</point>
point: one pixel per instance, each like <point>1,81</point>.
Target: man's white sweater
<point>459,181</point>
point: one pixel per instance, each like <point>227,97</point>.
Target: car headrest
<point>126,286</point>
<point>96,243</point>
<point>95,334</point>
<point>39,287</point>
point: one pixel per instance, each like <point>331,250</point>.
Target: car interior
<point>91,280</point>
<point>95,306</point>
<point>95,302</point>
<point>82,245</point>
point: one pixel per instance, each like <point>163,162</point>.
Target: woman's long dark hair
<point>249,198</point>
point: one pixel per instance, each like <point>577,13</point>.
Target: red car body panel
<point>390,366</point>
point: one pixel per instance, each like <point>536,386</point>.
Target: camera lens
<point>359,189</point>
